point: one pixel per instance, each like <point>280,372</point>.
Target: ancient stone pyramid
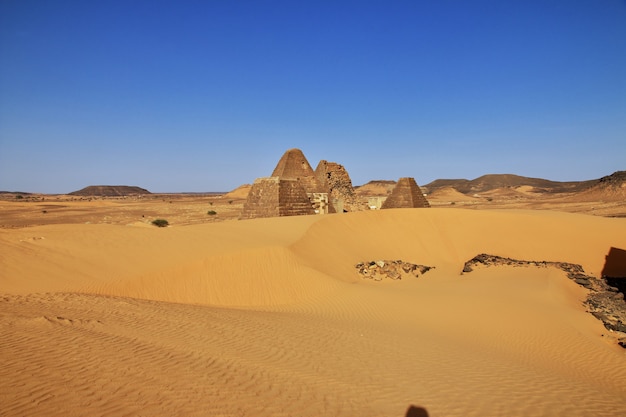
<point>406,194</point>
<point>274,196</point>
<point>334,178</point>
<point>293,165</point>
<point>292,190</point>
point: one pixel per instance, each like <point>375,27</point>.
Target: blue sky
<point>206,95</point>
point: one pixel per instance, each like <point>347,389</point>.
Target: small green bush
<point>160,223</point>
<point>211,212</point>
<point>19,196</point>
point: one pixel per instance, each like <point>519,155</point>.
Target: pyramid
<point>334,178</point>
<point>292,190</point>
<point>406,194</point>
<point>274,197</point>
<point>293,165</point>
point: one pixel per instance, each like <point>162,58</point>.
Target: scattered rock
<point>395,270</point>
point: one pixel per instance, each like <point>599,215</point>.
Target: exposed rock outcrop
<point>604,302</point>
<point>381,269</point>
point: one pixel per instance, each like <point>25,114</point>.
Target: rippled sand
<point>269,317</point>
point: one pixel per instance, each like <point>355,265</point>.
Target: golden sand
<point>269,317</point>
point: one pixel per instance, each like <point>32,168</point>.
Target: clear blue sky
<point>206,95</point>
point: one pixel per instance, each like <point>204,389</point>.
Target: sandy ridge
<point>270,318</point>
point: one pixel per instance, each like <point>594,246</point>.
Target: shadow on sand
<point>614,270</point>
<point>414,411</point>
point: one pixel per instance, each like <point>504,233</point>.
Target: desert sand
<point>268,317</point>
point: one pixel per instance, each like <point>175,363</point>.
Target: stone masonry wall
<point>334,177</point>
<point>273,196</point>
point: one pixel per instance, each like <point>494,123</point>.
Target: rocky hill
<point>495,181</point>
<point>109,191</point>
<point>375,188</point>
<point>609,188</point>
<point>615,180</point>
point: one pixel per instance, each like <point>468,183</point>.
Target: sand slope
<point>269,318</point>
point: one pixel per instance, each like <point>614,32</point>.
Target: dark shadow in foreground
<point>614,270</point>
<point>414,411</point>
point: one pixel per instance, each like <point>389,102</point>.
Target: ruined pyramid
<point>293,165</point>
<point>292,190</point>
<point>274,197</point>
<point>334,178</point>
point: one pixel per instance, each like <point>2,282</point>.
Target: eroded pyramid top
<point>293,165</point>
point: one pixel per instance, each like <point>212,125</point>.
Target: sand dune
<point>269,317</point>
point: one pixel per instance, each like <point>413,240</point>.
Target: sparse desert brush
<point>211,212</point>
<point>160,223</point>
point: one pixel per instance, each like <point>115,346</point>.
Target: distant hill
<point>109,191</point>
<point>615,180</point>
<point>609,188</point>
<point>240,192</point>
<point>495,181</point>
<point>14,192</point>
<point>375,188</point>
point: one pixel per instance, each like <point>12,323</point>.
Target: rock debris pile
<point>604,302</point>
<point>396,270</point>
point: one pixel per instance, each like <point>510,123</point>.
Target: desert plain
<point>103,314</point>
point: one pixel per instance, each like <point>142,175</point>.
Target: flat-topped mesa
<point>406,194</point>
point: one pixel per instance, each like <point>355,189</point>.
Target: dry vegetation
<point>177,209</point>
<point>186,209</point>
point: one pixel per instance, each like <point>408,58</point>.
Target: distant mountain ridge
<point>109,191</point>
<point>494,181</point>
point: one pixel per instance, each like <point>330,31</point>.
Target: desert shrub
<point>230,201</point>
<point>160,222</point>
<point>211,212</point>
<point>19,196</point>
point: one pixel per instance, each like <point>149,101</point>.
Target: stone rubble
<point>604,302</point>
<point>395,270</point>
